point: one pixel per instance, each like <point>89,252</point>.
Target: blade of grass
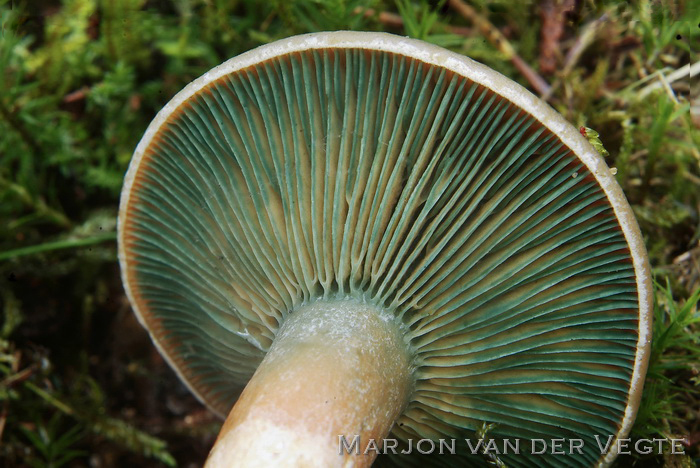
<point>57,245</point>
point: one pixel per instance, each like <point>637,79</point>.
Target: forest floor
<point>81,383</point>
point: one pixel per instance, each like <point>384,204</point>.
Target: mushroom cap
<point>372,166</point>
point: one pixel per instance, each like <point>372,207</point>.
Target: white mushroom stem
<point>336,369</point>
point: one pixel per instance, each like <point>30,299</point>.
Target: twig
<point>645,79</point>
<point>582,42</point>
<point>21,376</point>
<point>553,14</point>
<point>665,80</point>
<point>77,95</point>
<point>495,36</point>
<point>387,19</point>
<point>394,20</point>
<point>501,43</point>
<point>585,39</point>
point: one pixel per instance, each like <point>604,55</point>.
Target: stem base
<point>336,368</point>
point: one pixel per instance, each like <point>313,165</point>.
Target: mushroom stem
<point>335,369</point>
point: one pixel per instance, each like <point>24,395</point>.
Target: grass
<point>81,80</point>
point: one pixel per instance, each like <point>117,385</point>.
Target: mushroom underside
<point>344,173</point>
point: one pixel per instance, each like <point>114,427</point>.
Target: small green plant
<point>594,139</point>
<point>53,444</point>
<point>418,20</point>
<point>482,433</point>
<point>674,364</point>
<point>34,406</point>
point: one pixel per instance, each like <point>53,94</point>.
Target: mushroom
<point>357,236</point>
